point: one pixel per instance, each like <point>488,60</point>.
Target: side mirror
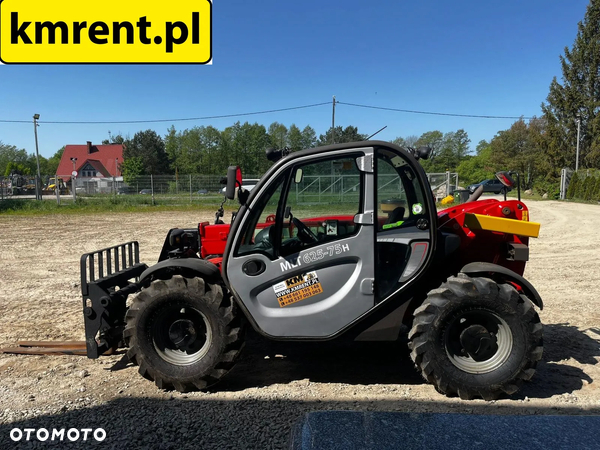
<point>423,152</point>
<point>298,176</point>
<point>506,179</point>
<point>420,153</point>
<point>234,179</point>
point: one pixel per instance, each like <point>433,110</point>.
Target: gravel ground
<point>273,384</point>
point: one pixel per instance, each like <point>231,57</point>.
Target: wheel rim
<point>181,335</point>
<point>478,341</point>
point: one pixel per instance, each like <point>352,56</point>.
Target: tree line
<point>18,161</point>
<point>208,151</point>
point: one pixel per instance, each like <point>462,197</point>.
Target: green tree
<point>150,147</point>
<point>309,137</point>
<point>449,150</point>
<point>244,146</point>
<point>341,135</point>
<point>10,153</point>
<point>523,148</point>
<point>14,168</point>
<point>173,145</point>
<point>585,188</point>
<point>132,168</point>
<point>474,169</point>
<point>53,162</point>
<point>596,192</point>
<point>295,138</point>
<point>573,186</point>
<point>433,139</point>
<point>408,141</point>
<point>278,135</point>
<point>116,139</point>
<point>578,96</point>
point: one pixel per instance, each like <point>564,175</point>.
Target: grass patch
<point>109,203</point>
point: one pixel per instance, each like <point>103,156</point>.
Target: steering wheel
<point>304,233</point>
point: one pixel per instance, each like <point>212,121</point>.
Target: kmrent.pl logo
<point>43,434</point>
<point>107,31</point>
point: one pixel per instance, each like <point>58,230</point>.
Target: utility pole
<point>38,187</point>
<point>333,123</point>
<point>577,153</point>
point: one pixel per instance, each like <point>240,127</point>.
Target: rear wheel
<point>475,338</point>
<point>183,333</point>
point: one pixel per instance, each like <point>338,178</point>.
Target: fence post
<point>447,183</point>
<point>565,179</point>
<point>191,188</point>
<point>57,189</point>
<point>152,188</point>
<point>73,188</point>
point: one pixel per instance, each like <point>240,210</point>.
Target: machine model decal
<point>417,208</point>
<point>314,255</point>
<point>320,253</point>
<point>297,288</point>
<point>387,226</point>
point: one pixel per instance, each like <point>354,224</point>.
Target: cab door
<point>302,259</point>
<point>406,216</point>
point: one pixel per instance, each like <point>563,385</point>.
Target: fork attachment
<point>106,281</point>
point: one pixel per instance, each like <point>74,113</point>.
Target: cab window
<point>321,203</point>
<point>258,234</point>
<point>400,197</point>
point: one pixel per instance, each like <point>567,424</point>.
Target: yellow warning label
<point>297,288</point>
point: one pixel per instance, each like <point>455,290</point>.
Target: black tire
<point>467,318</point>
<point>183,333</point>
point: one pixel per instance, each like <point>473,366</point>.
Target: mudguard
<point>191,266</point>
<point>484,268</point>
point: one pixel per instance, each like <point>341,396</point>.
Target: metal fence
<point>186,188</point>
<point>443,184</point>
<point>346,188</point>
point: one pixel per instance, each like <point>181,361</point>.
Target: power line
<point>169,120</point>
<point>224,116</point>
<point>410,111</point>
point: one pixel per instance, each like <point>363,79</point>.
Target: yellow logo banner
<point>107,31</point>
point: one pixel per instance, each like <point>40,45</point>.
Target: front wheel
<point>475,338</point>
<point>183,333</point>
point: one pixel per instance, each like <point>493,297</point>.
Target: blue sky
<point>467,57</point>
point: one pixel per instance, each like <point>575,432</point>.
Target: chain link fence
<point>182,189</point>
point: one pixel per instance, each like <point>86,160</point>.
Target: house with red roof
<point>97,166</point>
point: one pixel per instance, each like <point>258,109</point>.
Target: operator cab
<point>356,218</point>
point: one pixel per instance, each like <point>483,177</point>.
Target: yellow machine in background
<point>50,187</point>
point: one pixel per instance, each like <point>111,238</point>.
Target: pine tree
<point>596,195</point>
<point>573,186</point>
<point>577,97</point>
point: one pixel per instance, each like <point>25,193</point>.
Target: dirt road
<point>273,384</point>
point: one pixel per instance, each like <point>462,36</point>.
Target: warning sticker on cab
<point>297,288</point>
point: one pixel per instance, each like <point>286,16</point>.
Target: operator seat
<point>396,215</point>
